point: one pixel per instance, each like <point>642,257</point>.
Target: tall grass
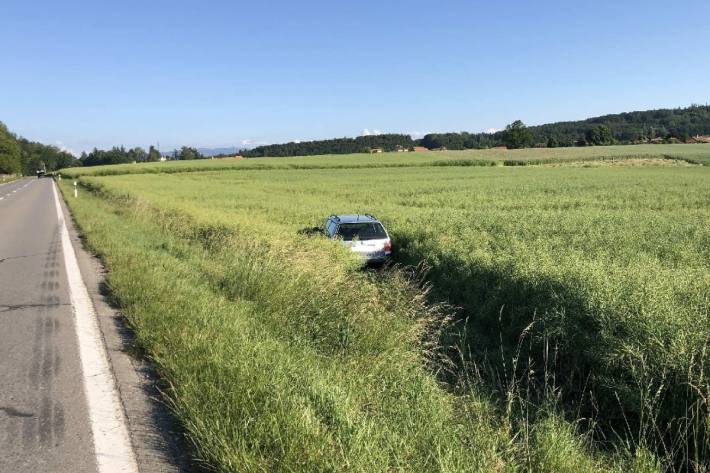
<point>581,295</point>
<point>275,364</point>
<point>605,267</point>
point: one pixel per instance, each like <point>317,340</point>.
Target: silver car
<point>363,234</point>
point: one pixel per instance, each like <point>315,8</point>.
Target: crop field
<point>699,154</point>
<point>553,316</point>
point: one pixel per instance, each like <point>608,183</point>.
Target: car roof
<point>353,218</point>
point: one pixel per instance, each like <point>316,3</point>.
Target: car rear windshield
<point>362,231</point>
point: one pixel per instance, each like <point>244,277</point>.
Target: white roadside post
<point>59,176</point>
<point>76,193</point>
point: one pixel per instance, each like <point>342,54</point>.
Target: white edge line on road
<point>112,444</point>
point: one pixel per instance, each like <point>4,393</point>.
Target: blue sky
<point>221,73</point>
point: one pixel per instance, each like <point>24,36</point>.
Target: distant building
<point>376,150</point>
<point>699,139</point>
<point>420,148</point>
<point>163,159</point>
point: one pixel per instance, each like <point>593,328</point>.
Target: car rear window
<point>361,231</point>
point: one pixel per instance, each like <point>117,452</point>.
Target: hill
<point>632,127</point>
<point>361,144</point>
<point>661,125</point>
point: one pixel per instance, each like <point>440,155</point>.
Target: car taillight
<point>388,245</point>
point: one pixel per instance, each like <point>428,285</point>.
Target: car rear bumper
<point>374,259</point>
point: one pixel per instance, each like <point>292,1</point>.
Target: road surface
<point>46,422</point>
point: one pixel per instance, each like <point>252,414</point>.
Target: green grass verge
<point>272,366</point>
<point>278,354</point>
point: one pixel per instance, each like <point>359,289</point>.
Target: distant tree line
<point>118,155</point>
<point>10,157</point>
<point>463,140</point>
<point>18,155</point>
<point>186,153</point>
<point>21,156</point>
<point>361,144</point>
<point>121,155</point>
<point>628,128</point>
<point>36,156</point>
<point>666,125</point>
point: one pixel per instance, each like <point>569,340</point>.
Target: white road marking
<point>112,444</point>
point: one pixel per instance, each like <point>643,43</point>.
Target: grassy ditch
<point>278,354</point>
<point>272,366</point>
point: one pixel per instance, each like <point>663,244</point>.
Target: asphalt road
<point>44,423</point>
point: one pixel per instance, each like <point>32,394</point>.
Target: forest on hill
<point>632,127</point>
<point>677,125</point>
<point>662,125</point>
<point>22,156</point>
<point>361,144</point>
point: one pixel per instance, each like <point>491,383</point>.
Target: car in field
<point>363,234</point>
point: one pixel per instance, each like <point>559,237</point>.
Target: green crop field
<point>699,154</point>
<point>547,317</point>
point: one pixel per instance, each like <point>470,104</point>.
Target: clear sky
<point>222,73</point>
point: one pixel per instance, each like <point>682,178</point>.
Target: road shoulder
<point>155,434</point>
